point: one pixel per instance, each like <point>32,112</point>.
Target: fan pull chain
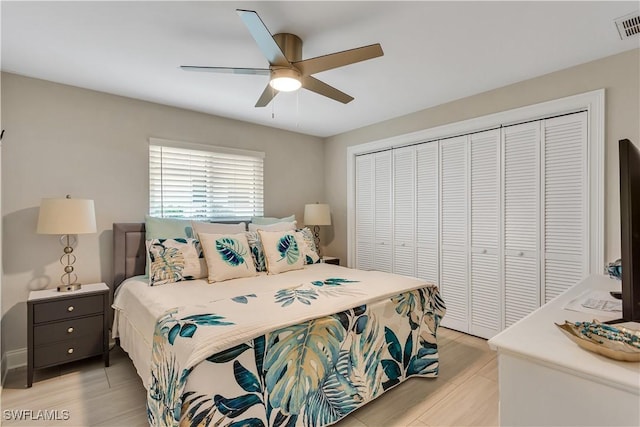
<point>297,109</point>
<point>273,103</point>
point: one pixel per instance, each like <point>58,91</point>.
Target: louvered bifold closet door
<point>427,203</point>
<point>486,306</point>
<point>565,203</point>
<point>454,283</point>
<point>364,212</point>
<point>521,216</point>
<point>383,243</point>
<point>404,211</point>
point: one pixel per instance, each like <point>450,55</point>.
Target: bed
<point>304,347</point>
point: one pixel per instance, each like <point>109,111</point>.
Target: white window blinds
<point>206,183</point>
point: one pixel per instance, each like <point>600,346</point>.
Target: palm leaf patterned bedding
<point>307,355</point>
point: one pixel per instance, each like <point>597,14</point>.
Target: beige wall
<point>65,140</point>
<point>619,75</point>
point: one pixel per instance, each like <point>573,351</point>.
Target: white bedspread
<point>277,346</point>
<point>143,304</point>
<point>139,306</point>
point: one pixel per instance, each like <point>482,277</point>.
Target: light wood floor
<point>465,393</point>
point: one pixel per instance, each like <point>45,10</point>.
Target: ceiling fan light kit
<point>288,71</point>
<point>285,80</point>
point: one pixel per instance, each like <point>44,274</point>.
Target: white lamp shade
<point>66,216</point>
<point>317,214</point>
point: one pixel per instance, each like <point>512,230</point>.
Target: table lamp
<point>317,214</point>
<point>67,217</point>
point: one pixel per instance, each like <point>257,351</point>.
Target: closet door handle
<point>484,251</point>
<point>520,253</point>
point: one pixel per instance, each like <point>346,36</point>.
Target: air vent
<point>628,25</point>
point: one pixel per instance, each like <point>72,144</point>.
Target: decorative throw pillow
<point>265,220</point>
<point>255,245</point>
<point>165,228</point>
<point>228,256</point>
<point>278,226</point>
<point>309,251</point>
<point>281,250</point>
<point>217,228</point>
<point>174,260</point>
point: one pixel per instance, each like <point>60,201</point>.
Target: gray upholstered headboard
<point>128,251</point>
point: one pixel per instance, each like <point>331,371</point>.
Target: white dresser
<point>545,379</point>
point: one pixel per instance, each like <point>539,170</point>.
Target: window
<point>204,182</point>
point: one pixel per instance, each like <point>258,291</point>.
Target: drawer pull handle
<point>70,330</point>
<point>70,308</point>
<point>70,351</point>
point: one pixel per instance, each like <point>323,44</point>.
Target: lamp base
<point>68,288</point>
<point>316,239</point>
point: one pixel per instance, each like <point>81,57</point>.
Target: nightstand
<point>67,326</point>
<point>331,260</point>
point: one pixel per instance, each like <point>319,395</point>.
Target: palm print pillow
<point>175,260</point>
<point>309,250</point>
<point>228,256</point>
<point>283,251</point>
<point>253,237</point>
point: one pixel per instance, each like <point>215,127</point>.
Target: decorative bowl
<point>614,269</point>
<point>613,342</point>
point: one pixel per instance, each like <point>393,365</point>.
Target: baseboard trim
<point>13,359</point>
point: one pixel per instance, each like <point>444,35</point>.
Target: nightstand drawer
<point>68,329</point>
<point>68,351</point>
<point>65,309</point>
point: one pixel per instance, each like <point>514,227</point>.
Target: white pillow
<point>217,228</point>
<point>278,226</point>
<point>282,251</point>
<point>228,256</point>
<point>167,228</point>
<point>266,220</point>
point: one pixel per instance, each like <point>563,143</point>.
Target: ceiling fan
<point>287,69</point>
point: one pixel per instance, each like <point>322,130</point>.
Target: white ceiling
<point>435,52</point>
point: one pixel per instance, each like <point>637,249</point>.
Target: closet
<point>497,218</point>
<point>484,187</point>
<point>427,174</point>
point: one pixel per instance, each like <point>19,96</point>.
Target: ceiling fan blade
<point>267,95</point>
<point>338,59</point>
<point>321,88</point>
<point>263,37</point>
<point>229,70</point>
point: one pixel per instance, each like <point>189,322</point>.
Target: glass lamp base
<point>316,239</point>
<point>69,279</point>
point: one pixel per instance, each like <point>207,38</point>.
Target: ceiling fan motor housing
<point>287,79</point>
<point>291,46</point>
